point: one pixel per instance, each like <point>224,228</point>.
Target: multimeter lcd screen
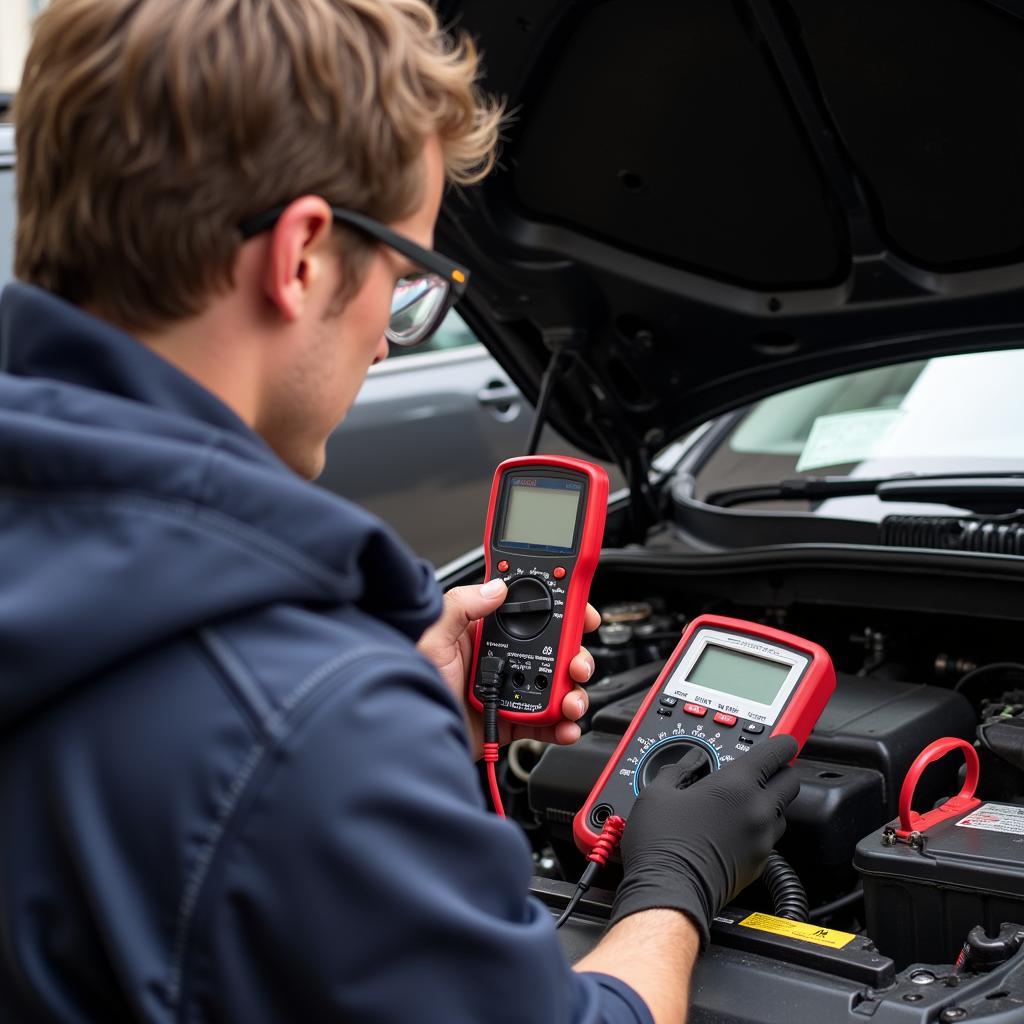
<point>741,675</point>
<point>541,513</point>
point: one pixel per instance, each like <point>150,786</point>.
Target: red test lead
<point>606,845</point>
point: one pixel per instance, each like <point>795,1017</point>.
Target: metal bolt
<point>922,977</point>
<point>889,836</point>
<point>913,997</point>
<point>916,841</point>
<point>951,1014</point>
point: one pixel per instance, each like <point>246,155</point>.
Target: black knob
<point>672,753</point>
<point>527,609</point>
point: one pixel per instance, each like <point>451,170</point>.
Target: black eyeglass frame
<point>455,275</point>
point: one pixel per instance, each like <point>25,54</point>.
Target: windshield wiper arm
<point>963,490</point>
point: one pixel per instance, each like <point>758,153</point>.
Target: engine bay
<point>904,677</point>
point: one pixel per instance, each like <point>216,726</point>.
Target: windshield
<point>955,414</point>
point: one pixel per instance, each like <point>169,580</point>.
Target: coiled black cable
<point>789,898</point>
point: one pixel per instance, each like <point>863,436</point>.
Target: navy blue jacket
<point>231,790</point>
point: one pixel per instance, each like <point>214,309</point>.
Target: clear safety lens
<point>415,307</point>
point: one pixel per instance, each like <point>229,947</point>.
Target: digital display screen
<point>541,513</point>
<point>741,675</point>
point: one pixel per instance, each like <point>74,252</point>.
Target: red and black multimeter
<point>729,685</point>
<point>545,524</point>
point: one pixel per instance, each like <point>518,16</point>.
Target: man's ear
<point>296,255</point>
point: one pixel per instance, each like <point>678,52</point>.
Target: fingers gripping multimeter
<point>728,686</point>
<point>545,524</point>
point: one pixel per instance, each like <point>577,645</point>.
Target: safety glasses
<point>421,300</point>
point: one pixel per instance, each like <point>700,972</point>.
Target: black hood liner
<point>708,201</point>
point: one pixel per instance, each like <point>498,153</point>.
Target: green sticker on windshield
<point>846,437</point>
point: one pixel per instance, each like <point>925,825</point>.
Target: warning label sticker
<point>995,818</point>
<point>798,930</point>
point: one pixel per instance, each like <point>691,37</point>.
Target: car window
<point>949,414</point>
<point>453,333</point>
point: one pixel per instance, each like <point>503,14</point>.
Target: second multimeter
<point>545,524</point>
<point>728,686</point>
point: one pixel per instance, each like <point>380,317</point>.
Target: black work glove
<point>693,849</point>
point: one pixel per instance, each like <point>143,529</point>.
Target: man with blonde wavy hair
<point>232,787</point>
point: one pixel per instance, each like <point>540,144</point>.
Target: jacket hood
<point>136,506</point>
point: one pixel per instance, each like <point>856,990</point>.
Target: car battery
<point>927,884</point>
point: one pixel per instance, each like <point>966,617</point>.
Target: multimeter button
<point>669,702</point>
<point>695,709</point>
<point>723,719</point>
<point>503,566</point>
<point>559,572</point>
<point>754,727</point>
<point>665,712</point>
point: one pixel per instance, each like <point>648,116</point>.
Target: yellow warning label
<point>798,930</point>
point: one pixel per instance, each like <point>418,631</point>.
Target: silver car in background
<point>420,445</point>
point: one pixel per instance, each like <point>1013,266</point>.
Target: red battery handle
<point>964,801</point>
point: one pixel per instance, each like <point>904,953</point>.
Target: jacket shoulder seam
<point>240,681</point>
<point>192,891</point>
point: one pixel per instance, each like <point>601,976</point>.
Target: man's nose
<point>382,351</point>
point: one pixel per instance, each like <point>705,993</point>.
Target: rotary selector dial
<point>672,750</point>
<point>527,609</point>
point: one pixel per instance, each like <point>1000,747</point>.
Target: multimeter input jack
<point>600,814</point>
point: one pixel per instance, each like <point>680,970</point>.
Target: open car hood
<point>702,202</point>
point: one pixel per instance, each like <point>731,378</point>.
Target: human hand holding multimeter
<point>727,687</point>
<point>734,694</point>
<point>545,524</point>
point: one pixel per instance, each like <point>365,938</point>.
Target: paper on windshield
<point>846,437</point>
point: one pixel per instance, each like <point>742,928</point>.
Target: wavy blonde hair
<point>147,130</point>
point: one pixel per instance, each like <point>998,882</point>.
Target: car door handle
<point>498,393</point>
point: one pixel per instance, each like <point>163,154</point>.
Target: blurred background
<point>15,20</point>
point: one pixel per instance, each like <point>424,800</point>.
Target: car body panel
<point>419,447</point>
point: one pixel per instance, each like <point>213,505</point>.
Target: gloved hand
<point>693,849</point>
